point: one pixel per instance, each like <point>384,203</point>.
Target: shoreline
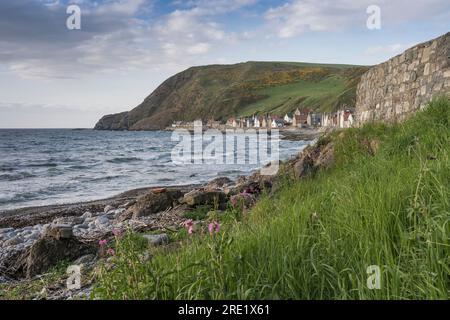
<point>34,239</point>
<point>28,216</point>
<point>32,215</point>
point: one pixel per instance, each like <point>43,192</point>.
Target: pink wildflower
<point>103,243</point>
<point>117,232</point>
<point>214,227</point>
<point>111,252</point>
<point>188,223</point>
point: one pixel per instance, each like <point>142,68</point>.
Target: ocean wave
<point>124,160</point>
<point>16,176</point>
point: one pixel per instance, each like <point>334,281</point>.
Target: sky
<point>55,77</point>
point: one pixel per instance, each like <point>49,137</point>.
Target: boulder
<point>71,221</point>
<point>152,203</point>
<point>57,244</point>
<point>157,239</point>
<point>49,251</point>
<point>59,231</point>
<point>201,197</point>
<point>218,183</point>
<point>319,156</point>
<point>243,200</point>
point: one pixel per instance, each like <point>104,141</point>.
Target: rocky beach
<point>35,239</point>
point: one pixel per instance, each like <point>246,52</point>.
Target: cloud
<point>116,36</point>
<point>35,43</point>
<point>388,50</point>
<point>299,16</point>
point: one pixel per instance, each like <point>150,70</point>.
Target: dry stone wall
<point>397,88</point>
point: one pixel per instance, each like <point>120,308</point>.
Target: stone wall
<point>397,88</point>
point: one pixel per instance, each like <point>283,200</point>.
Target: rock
<point>157,239</point>
<point>14,241</point>
<point>81,226</point>
<point>230,190</point>
<point>59,231</point>
<point>159,190</point>
<point>68,221</point>
<point>217,183</point>
<point>113,214</point>
<point>85,260</point>
<point>86,215</point>
<point>102,221</point>
<point>108,208</point>
<point>35,235</point>
<point>152,203</point>
<point>198,197</point>
<point>321,155</point>
<point>303,167</point>
<point>48,251</point>
<point>6,230</point>
<point>127,205</point>
<point>243,201</point>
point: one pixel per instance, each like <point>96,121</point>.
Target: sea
<point>57,166</point>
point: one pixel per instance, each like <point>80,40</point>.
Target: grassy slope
<point>282,87</point>
<point>391,209</point>
<point>222,91</point>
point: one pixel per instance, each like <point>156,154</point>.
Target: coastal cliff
<point>222,91</point>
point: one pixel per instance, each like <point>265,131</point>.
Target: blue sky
<point>54,77</point>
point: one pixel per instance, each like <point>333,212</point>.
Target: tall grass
<point>316,238</point>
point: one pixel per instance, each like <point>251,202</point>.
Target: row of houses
<point>299,119</point>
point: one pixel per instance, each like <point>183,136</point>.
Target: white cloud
<point>389,50</point>
<point>113,37</point>
<point>298,16</point>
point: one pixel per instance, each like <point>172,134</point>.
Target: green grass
<point>286,98</point>
<point>315,238</point>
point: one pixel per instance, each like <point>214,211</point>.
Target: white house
<point>257,123</point>
<point>287,119</point>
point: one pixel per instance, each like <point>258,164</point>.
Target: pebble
<point>14,241</point>
<point>86,215</point>
<point>108,209</point>
<point>101,221</point>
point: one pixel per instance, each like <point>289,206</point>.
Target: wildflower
<point>117,232</point>
<point>188,223</point>
<point>103,243</point>
<point>111,252</point>
<point>214,227</point>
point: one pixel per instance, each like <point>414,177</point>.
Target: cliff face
<point>397,88</point>
<point>221,91</point>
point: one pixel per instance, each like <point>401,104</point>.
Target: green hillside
<point>222,91</point>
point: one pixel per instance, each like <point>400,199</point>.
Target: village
<point>301,118</point>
